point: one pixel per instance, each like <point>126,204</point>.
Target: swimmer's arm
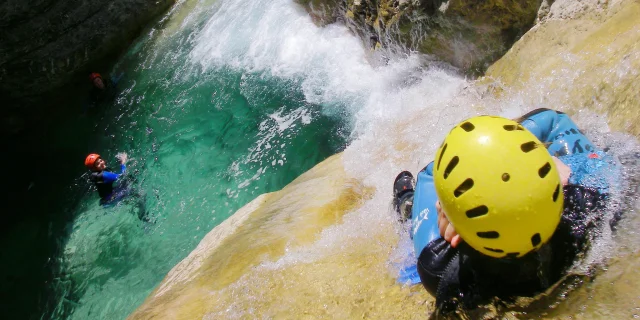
<point>533,128</point>
<point>122,156</point>
<point>109,177</point>
<point>541,123</point>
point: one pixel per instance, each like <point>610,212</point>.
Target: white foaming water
<point>278,129</point>
<point>279,38</point>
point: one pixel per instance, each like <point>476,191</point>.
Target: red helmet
<point>90,161</point>
<point>94,75</point>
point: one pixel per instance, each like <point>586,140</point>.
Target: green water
<point>202,143</point>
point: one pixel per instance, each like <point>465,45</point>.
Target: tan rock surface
<point>276,258</point>
<point>591,61</point>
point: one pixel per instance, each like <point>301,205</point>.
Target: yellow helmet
<point>498,186</point>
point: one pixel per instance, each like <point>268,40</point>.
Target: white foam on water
<point>274,132</point>
<point>279,38</point>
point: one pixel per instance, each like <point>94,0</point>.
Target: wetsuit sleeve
<point>540,122</point>
<point>433,262</point>
<point>435,253</point>
<point>558,131</point>
<point>590,166</point>
<point>109,177</point>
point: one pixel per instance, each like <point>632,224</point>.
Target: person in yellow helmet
<point>504,208</point>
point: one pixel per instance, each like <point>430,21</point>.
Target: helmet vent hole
<point>494,250</point>
<point>556,193</point>
<point>544,170</point>
<point>535,240</point>
<point>477,211</point>
<point>452,165</point>
<point>488,234</point>
<point>528,146</point>
<point>505,177</point>
<point>441,154</point>
<point>467,126</point>
<point>463,187</point>
<point>512,127</point>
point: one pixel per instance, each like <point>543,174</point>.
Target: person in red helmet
<point>103,89</point>
<point>96,80</point>
<point>114,187</point>
<point>104,179</point>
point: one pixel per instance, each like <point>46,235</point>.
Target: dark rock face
<point>469,34</point>
<point>45,44</point>
<point>47,49</point>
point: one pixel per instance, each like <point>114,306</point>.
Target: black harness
<point>464,276</point>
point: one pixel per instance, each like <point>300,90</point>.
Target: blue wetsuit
<point>104,181</point>
<point>461,274</point>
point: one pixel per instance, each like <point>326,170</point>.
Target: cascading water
<point>204,139</point>
<point>225,100</point>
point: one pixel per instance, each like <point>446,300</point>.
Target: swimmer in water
<point>112,187</point>
<point>102,89</point>
<point>103,178</point>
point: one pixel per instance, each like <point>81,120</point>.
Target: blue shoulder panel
<point>560,131</point>
<point>424,217</point>
<point>590,166</point>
